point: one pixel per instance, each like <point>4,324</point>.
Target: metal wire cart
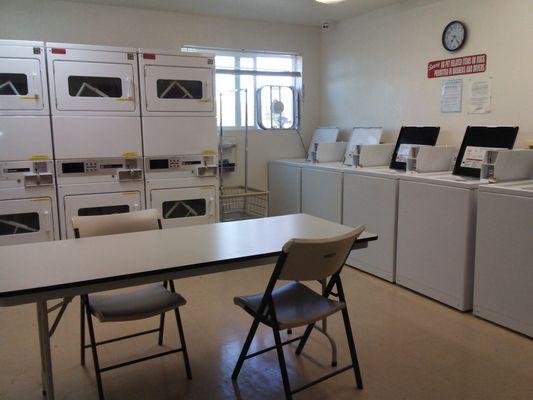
<point>240,202</point>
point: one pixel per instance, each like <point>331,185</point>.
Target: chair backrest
<point>99,225</point>
<point>311,259</point>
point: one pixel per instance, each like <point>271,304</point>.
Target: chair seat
<point>295,304</point>
<point>145,302</point>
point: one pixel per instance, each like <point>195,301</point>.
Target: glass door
<point>20,84</point>
<point>99,204</point>
<point>178,89</point>
<point>185,206</point>
<point>86,86</point>
<point>26,221</point>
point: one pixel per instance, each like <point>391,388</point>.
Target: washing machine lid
<point>476,141</point>
<point>322,135</point>
<point>422,135</point>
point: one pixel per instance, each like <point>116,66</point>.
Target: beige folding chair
<point>140,303</point>
<point>295,304</point>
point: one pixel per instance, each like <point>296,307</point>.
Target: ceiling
<point>306,12</point>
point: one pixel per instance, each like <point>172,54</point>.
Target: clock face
<point>454,36</point>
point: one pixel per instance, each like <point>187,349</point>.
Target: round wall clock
<point>454,36</point>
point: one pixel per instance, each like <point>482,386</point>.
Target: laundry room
<point>355,175</point>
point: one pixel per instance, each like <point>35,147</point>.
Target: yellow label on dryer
<point>39,157</point>
<point>130,193</point>
<point>36,97</point>
<point>130,154</point>
<point>41,199</point>
<point>125,99</point>
<point>204,100</point>
<point>209,152</point>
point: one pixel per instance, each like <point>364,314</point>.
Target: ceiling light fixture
<point>329,1</point>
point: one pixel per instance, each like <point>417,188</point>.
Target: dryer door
<point>178,89</point>
<point>26,221</point>
<point>99,204</point>
<point>85,86</point>
<point>20,84</point>
<point>185,206</point>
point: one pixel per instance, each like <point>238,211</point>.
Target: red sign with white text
<point>457,66</point>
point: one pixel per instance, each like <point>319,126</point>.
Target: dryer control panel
<point>190,165</point>
<point>26,174</point>
<point>122,169</point>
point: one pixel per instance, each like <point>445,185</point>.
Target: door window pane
<point>103,210</point>
<point>94,86</point>
<point>225,85</point>
<point>13,84</point>
<point>278,63</point>
<point>179,89</point>
<point>184,208</point>
<point>14,224</point>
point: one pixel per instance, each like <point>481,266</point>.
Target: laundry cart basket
<point>240,202</point>
<point>237,202</point>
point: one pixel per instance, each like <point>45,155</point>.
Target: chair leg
<point>282,365</point>
<point>82,332</point>
<point>94,351</point>
<point>183,345</point>
<point>245,349</point>
<point>161,329</point>
<point>351,345</point>
<point>305,336</point>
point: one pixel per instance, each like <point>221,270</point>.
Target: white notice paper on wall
<point>479,96</point>
<point>451,95</point>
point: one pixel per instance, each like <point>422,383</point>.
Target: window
<point>13,84</point>
<point>184,208</point>
<point>103,210</point>
<point>14,224</point>
<point>179,89</point>
<point>94,86</point>
<point>240,70</point>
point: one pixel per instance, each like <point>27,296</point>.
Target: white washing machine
<point>183,188</point>
<point>178,106</point>
<point>437,222</point>
<point>285,186</point>
<point>28,206</point>
<point>98,187</point>
<point>370,197</point>
<point>322,190</point>
<point>94,96</point>
<point>503,273</point>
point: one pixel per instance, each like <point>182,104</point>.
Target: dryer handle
<point>34,81</point>
<point>211,207</point>
<point>48,223</point>
<point>129,84</point>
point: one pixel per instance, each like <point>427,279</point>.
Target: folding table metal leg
<point>46,358</point>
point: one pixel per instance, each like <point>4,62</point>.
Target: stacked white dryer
<point>28,208</point>
<point>179,136</point>
<point>96,130</point>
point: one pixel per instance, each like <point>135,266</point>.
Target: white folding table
<point>39,272</point>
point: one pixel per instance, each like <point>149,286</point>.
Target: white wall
<point>374,66</point>
<point>96,24</point>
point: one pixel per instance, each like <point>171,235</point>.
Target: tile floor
<point>409,347</point>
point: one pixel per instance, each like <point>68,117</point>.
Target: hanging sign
<point>457,66</point>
